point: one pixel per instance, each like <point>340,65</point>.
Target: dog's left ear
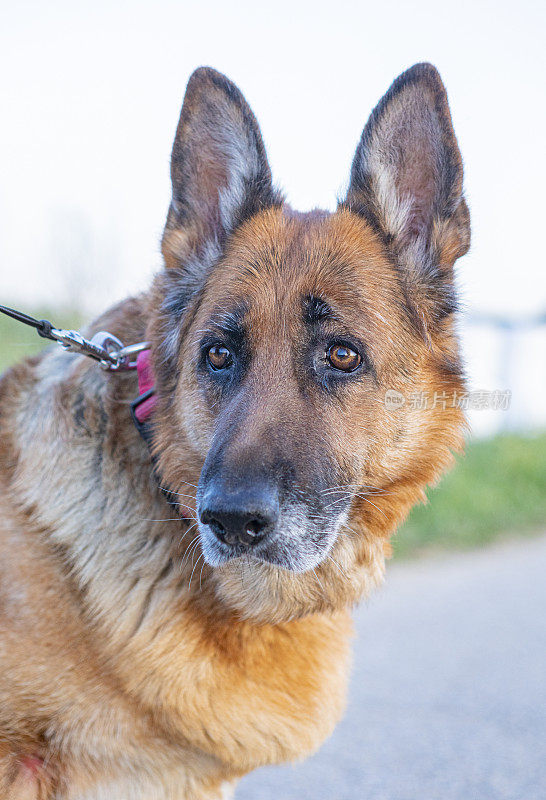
<point>406,180</point>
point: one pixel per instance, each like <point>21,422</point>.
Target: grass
<point>498,489</point>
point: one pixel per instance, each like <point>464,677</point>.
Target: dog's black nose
<point>239,518</point>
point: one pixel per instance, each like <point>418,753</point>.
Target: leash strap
<point>103,347</point>
<point>43,326</point>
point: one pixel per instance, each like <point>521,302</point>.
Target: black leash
<point>104,347</point>
<point>43,326</point>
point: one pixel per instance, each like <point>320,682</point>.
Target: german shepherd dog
<point>148,651</point>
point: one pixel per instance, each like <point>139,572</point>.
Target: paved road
<point>448,692</point>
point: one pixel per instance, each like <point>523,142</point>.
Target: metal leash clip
<point>119,357</point>
<point>104,347</point>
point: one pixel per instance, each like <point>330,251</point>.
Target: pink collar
<point>142,409</point>
<point>145,403</point>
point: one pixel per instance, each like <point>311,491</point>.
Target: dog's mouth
<point>297,541</point>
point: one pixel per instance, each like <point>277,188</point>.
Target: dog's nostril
<point>252,532</point>
<point>254,527</point>
<point>218,528</point>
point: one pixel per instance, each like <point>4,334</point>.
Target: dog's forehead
<point>281,258</point>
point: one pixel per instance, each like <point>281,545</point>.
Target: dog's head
<point>307,368</point>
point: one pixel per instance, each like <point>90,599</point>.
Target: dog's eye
<point>219,357</point>
<point>343,358</point>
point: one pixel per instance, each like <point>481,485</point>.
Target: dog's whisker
<point>349,528</point>
<point>191,546</point>
<point>185,505</point>
<point>374,505</point>
<point>345,487</point>
<point>335,502</point>
<point>201,573</point>
<point>354,490</point>
<point>378,493</point>
<point>318,580</point>
<point>177,494</point>
<point>190,484</point>
<point>188,530</point>
<point>338,566</point>
<point>193,570</point>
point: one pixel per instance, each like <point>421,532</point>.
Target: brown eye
<point>343,358</point>
<point>219,356</point>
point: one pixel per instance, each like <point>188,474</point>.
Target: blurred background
<point>91,94</point>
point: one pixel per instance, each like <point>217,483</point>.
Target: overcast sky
<point>91,94</point>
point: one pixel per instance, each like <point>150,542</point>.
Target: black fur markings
<point>316,310</point>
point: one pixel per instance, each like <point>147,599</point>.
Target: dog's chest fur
<point>127,670</point>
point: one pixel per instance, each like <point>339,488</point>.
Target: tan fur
<point>130,668</point>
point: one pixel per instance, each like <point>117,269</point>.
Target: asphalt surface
<point>448,691</point>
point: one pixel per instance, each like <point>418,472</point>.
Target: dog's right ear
<point>220,175</point>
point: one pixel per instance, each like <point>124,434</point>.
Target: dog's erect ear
<point>406,180</point>
<point>219,171</point>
